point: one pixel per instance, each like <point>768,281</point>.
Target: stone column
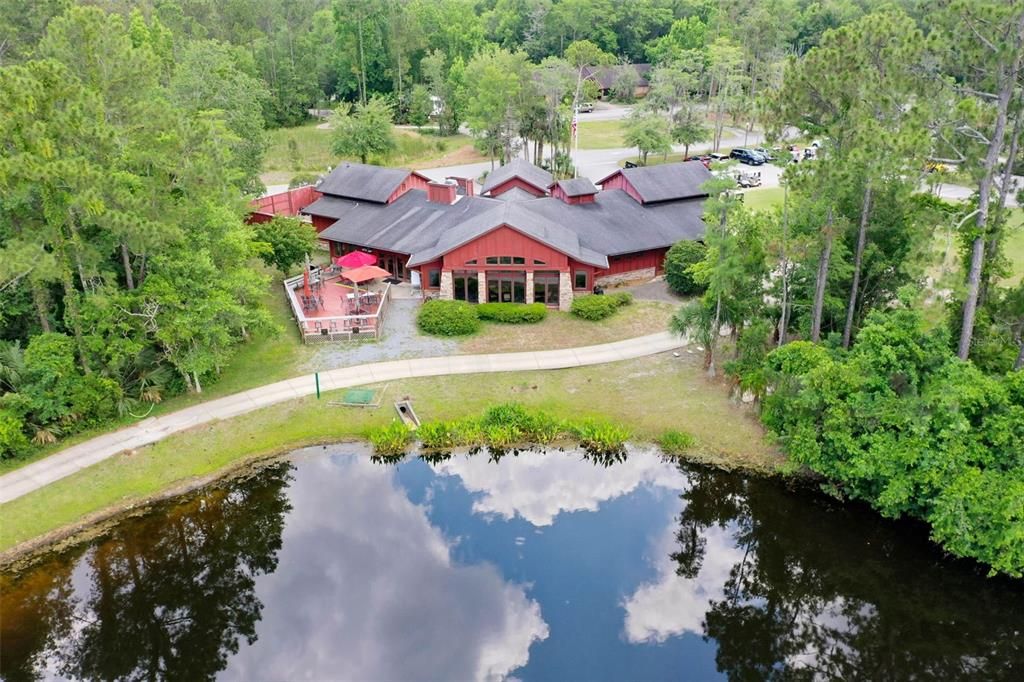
<point>564,291</point>
<point>481,286</point>
<point>446,285</point>
<point>529,286</point>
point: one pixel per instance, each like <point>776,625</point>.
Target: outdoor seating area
<point>345,301</point>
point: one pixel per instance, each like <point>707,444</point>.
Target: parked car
<point>704,158</point>
<point>810,153</point>
<point>718,157</point>
<point>585,107</point>
<point>747,156</point>
<point>766,153</point>
<point>936,167</point>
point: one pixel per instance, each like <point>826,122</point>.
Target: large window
<point>580,279</point>
<point>506,287</point>
<point>465,285</point>
<point>545,288</point>
<point>505,260</point>
<point>434,279</point>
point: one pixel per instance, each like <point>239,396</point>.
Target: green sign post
<point>317,376</point>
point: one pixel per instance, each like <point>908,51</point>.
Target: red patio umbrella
<point>355,259</point>
<point>306,291</point>
<point>364,274</point>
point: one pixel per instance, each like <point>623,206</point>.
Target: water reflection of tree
<point>172,593</point>
<point>36,614</point>
<point>823,591</point>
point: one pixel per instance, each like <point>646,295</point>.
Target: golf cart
<point>747,179</point>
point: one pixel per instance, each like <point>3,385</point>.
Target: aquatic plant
<point>600,435</point>
<point>674,442</point>
<point>390,440</point>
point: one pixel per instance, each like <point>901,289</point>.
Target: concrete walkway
<point>66,462</point>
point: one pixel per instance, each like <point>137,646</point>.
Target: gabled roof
<point>516,215</point>
<point>666,182</point>
<point>518,168</point>
<point>577,187</point>
<point>409,224</point>
<point>363,182</point>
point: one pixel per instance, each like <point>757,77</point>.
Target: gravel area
<point>401,340</point>
<point>655,290</point>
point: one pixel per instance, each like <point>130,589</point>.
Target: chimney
<point>465,185</point>
<point>441,192</point>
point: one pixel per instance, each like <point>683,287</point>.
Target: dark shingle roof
<point>667,182</point>
<point>330,207</point>
<point>516,214</point>
<point>613,224</point>
<point>518,168</point>
<point>408,224</point>
<point>577,187</point>
<point>363,182</point>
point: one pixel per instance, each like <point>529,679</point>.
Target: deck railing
<point>321,329</point>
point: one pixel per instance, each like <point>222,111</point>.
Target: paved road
<point>66,462</point>
<point>597,163</point>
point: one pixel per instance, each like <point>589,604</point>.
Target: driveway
<point>655,290</point>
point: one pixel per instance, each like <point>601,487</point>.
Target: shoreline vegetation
<point>649,396</point>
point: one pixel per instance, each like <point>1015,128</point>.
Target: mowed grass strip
<point>648,395</point>
<point>601,134</point>
<point>563,330</point>
<point>312,151</point>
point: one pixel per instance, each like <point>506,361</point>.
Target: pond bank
<point>648,395</point>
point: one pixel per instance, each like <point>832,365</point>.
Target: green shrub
<point>678,260</point>
<point>13,442</point>
<point>448,318</point>
<point>512,313</point>
<point>391,440</point>
<point>676,442</point>
<point>621,298</point>
<point>594,307</point>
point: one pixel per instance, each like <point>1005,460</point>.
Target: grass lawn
<point>649,395</point>
<point>764,198</point>
<point>601,134</point>
<point>562,330</point>
<point>312,151</point>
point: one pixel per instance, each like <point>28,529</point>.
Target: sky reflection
<point>540,566</point>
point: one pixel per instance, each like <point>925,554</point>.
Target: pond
<point>537,565</point>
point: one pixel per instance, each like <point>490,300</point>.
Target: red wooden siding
<point>558,193</point>
<point>413,181</point>
<point>655,258</point>
<point>321,223</point>
<point>619,181</point>
<point>512,183</point>
<point>591,271</point>
<point>286,203</point>
<point>425,274</point>
<point>441,192</point>
<point>505,241</point>
<point>255,217</point>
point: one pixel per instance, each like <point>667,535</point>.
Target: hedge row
<point>512,313</point>
<point>448,318</point>
<point>458,318</point>
<point>597,307</point>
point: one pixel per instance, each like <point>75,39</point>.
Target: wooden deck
<point>337,310</point>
